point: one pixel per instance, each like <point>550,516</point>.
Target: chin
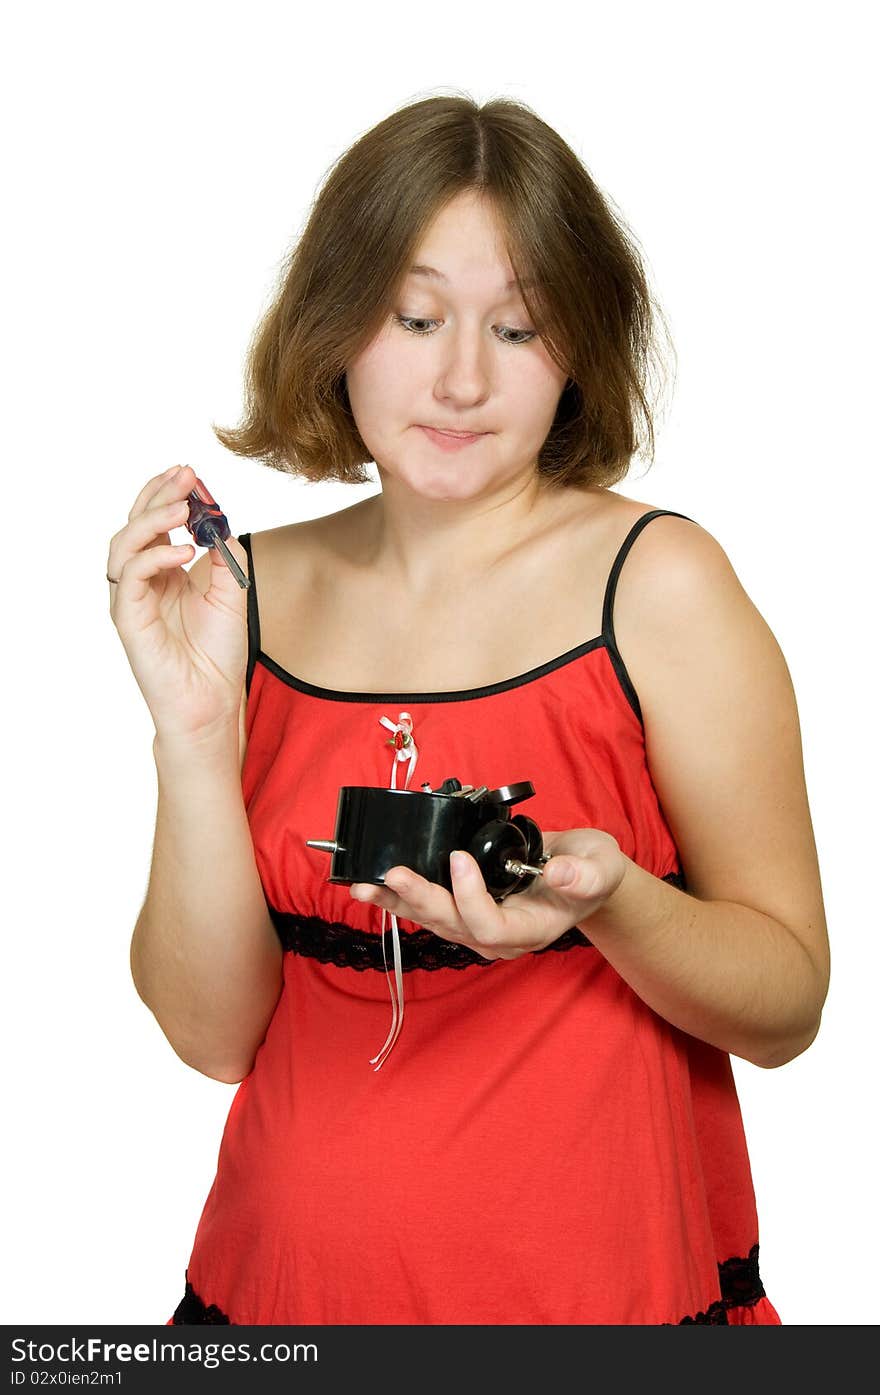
<point>440,485</point>
<point>448,479</point>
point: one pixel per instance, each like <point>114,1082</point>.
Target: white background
<point>160,162</point>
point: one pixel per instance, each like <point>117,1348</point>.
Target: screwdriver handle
<point>210,528</point>
<point>206,520</point>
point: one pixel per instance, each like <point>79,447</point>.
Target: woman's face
<point>467,359</point>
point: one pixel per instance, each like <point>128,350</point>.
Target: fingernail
<point>564,875</point>
<point>458,861</point>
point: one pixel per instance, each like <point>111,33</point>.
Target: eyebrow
<point>431,271</point>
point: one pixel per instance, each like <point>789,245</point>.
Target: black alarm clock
<point>378,828</point>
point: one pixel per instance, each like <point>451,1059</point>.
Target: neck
<point>420,543</point>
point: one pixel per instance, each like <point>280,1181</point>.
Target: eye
<point>527,333</point>
<point>411,322</point>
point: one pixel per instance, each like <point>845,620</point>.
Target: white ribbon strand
<point>404,750</point>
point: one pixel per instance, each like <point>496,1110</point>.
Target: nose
<point>464,374</point>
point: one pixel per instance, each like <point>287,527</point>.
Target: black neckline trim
<point>605,640</point>
<point>459,695</point>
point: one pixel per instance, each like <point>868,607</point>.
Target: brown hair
<point>591,303</point>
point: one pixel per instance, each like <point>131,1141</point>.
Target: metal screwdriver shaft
<point>230,561</point>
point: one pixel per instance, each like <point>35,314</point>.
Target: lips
<point>451,441</point>
<point>444,430</point>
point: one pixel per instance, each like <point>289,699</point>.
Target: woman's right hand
<point>187,648</point>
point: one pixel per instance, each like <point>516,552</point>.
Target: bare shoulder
<point>722,732</point>
<point>274,547</point>
<point>681,610</point>
<point>281,555</point>
<point>678,585</point>
<point>669,544</point>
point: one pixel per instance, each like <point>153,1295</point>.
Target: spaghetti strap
<point>608,605</point>
<point>253,614</point>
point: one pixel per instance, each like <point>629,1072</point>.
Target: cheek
<point>546,394</point>
<point>381,383</point>
<point>532,404</point>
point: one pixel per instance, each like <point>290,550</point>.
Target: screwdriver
<point>209,528</point>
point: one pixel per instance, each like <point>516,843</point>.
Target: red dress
<point>540,1147</point>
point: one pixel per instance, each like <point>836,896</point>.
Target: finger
<point>577,877</point>
<point>423,902</point>
<point>154,525</point>
<point>161,487</point>
<point>366,891</point>
<point>480,912</point>
<point>133,585</point>
<point>381,896</point>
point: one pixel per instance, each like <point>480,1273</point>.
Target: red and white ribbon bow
<point>404,750</point>
<point>404,746</point>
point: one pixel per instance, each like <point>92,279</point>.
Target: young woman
<point>553,1136</point>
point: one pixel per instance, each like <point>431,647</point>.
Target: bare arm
<point>205,957</point>
<point>720,971</point>
<point>742,960</point>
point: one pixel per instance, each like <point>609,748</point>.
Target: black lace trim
<point>333,942</point>
<point>192,1310</point>
<point>741,1287</point>
<point>715,1315</point>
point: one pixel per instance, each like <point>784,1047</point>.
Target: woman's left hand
<point>525,920</point>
